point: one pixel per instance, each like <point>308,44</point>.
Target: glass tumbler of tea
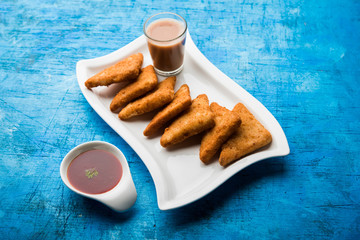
<point>166,35</point>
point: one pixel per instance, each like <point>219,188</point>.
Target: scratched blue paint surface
<point>299,58</point>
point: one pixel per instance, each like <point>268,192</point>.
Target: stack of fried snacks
<point>235,133</point>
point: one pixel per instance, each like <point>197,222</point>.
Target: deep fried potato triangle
<point>146,81</point>
<point>250,136</point>
<point>226,123</point>
<point>160,96</point>
<point>181,102</point>
<point>196,119</point>
<point>125,70</point>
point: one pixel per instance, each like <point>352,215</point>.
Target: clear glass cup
<point>166,36</point>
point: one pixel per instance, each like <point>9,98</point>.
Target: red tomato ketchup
<point>94,172</point>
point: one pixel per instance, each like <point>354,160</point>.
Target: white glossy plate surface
<point>179,175</point>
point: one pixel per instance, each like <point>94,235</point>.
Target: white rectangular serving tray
<point>179,176</point>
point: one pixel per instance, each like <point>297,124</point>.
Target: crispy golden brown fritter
<point>146,82</point>
<point>160,96</point>
<point>226,123</point>
<point>125,70</point>
<point>181,102</point>
<point>250,136</point>
<point>196,119</point>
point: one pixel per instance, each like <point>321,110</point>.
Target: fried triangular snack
<point>181,102</point>
<point>196,119</point>
<point>250,136</point>
<point>160,96</point>
<point>125,70</point>
<point>146,82</point>
<point>226,123</point>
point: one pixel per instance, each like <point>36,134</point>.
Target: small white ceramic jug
<point>123,195</point>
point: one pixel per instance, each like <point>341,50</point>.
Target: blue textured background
<point>299,58</point>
